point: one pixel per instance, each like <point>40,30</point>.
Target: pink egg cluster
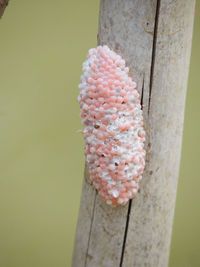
<point>113,133</point>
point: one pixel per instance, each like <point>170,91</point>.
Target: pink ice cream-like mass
<point>114,134</point>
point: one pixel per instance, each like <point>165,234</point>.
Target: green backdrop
<point>42,47</point>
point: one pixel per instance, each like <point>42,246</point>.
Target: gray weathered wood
<point>154,37</point>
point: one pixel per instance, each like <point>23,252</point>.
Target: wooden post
<point>154,37</point>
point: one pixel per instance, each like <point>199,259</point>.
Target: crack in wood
<point>142,94</point>
<point>153,51</point>
<point>125,232</point>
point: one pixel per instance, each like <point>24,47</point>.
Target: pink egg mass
<point>114,134</point>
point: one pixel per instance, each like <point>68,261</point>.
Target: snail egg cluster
<point>113,133</point>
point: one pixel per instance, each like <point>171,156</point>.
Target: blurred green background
<point>42,47</point>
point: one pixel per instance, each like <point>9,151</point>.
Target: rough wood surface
<point>154,37</point>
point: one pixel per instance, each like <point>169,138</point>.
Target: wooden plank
<point>136,30</point>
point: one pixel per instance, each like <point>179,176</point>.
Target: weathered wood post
<point>154,37</point>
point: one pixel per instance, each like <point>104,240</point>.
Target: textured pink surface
<point>114,134</point>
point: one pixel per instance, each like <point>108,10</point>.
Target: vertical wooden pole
<point>154,37</point>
